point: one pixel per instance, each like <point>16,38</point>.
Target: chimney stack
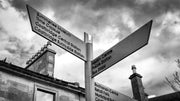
<point>137,86</point>
<point>43,61</point>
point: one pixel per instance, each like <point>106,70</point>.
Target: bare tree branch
<point>178,63</point>
<point>175,83</point>
<point>171,85</point>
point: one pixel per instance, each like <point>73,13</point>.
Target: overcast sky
<point>108,21</point>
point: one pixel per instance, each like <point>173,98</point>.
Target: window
<point>42,95</point>
<point>45,93</point>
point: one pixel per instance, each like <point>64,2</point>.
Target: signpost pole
<point>89,81</point>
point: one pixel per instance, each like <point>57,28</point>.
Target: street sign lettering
<point>53,32</point>
<point>103,93</point>
<point>124,48</point>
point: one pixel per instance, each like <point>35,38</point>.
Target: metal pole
<point>89,81</point>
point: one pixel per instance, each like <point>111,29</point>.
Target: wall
<point>14,88</point>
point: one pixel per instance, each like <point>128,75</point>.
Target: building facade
<point>19,84</point>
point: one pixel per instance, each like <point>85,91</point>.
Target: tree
<point>175,82</point>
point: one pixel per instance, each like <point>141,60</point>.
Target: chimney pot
<point>134,68</point>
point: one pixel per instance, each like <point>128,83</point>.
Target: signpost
<point>83,49</point>
<point>53,32</point>
<point>124,48</point>
<point>103,93</point>
<point>89,82</point>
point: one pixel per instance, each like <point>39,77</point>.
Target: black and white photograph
<point>89,50</point>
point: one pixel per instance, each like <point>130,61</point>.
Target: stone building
<point>19,84</point>
<point>36,81</point>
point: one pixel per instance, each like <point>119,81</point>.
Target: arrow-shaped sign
<point>103,93</point>
<point>124,48</point>
<point>56,34</point>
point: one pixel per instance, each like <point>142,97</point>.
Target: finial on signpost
<point>134,68</point>
<point>88,38</point>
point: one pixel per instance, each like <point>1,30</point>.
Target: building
<point>19,84</point>
<point>36,81</point>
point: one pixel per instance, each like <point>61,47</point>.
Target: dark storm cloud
<point>20,5</point>
<point>63,9</point>
<point>159,7</point>
<point>1,6</point>
<point>103,4</point>
<point>55,4</point>
<point>147,9</point>
<point>140,9</point>
<point>86,18</point>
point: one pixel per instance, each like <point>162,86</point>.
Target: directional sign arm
<point>56,34</point>
<point>103,93</point>
<point>121,50</point>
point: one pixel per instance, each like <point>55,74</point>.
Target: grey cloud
<point>153,9</point>
<point>126,90</point>
<point>65,8</point>
<point>168,53</point>
<point>141,12</point>
<point>165,46</point>
<point>1,6</point>
<point>93,16</point>
<point>168,47</point>
<point>2,31</point>
<point>20,5</point>
<point>152,86</point>
<point>40,4</point>
<point>159,7</point>
<point>103,4</point>
<point>20,49</point>
<point>17,51</point>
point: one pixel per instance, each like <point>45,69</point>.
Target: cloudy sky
<point>108,21</point>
